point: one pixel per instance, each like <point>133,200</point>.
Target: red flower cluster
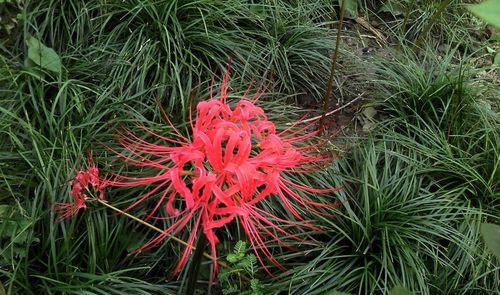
<point>235,161</point>
<point>83,181</point>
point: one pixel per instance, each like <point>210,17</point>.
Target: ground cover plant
<point>175,147</point>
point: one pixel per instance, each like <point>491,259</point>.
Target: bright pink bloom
<point>235,160</point>
<point>83,181</point>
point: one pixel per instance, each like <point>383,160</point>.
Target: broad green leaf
<point>400,290</point>
<point>491,236</point>
<point>350,8</point>
<point>488,10</point>
<point>496,60</point>
<point>33,69</point>
<point>43,56</point>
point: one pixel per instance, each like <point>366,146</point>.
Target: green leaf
<point>393,8</point>
<point>240,247</point>
<point>233,258</point>
<point>350,8</point>
<point>19,252</point>
<point>223,275</point>
<point>256,287</point>
<point>15,229</point>
<point>491,236</point>
<point>488,10</point>
<point>400,290</point>
<point>43,56</point>
<point>496,60</point>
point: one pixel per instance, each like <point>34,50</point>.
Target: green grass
<point>396,228</point>
<point>442,114</point>
<point>416,21</point>
<point>160,49</point>
<point>415,190</point>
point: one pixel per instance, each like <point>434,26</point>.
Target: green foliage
<point>415,194</point>
<point>114,283</point>
<point>399,290</point>
<point>46,129</point>
<point>16,235</point>
<point>350,7</point>
<point>391,228</point>
<point>239,252</point>
<point>491,236</point>
<point>138,48</point>
<point>240,278</point>
<point>427,91</point>
<point>442,117</point>
<point>396,227</point>
<point>419,188</point>
<point>43,56</point>
<point>488,10</point>
<point>78,69</point>
<point>436,22</point>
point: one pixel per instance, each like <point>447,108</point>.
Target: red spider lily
<point>235,160</point>
<point>81,183</point>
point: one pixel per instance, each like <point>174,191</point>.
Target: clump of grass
<point>417,22</point>
<point>160,50</point>
<point>414,195</point>
<point>393,226</point>
<point>426,90</point>
<point>471,272</point>
<point>416,191</point>
<point>439,113</point>
<point>48,125</point>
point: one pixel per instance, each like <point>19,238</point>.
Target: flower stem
<point>329,85</point>
<point>151,227</point>
<point>195,265</point>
